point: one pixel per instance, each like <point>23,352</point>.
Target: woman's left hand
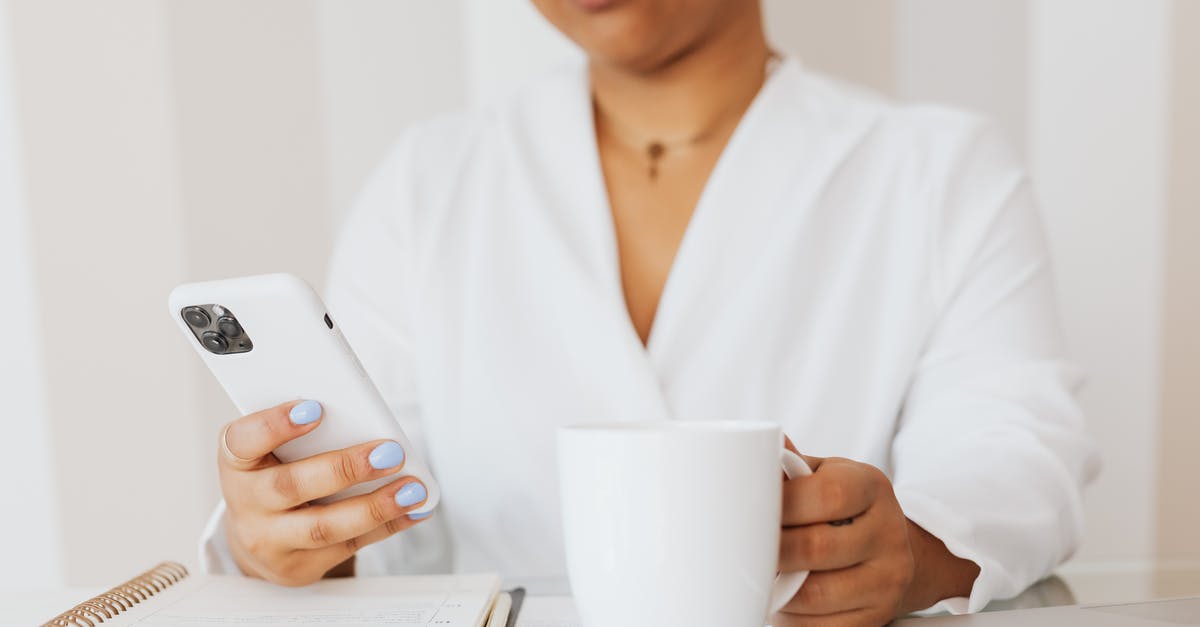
<point>845,525</point>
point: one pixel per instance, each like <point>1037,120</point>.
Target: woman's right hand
<point>273,530</point>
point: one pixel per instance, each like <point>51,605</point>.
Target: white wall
<point>419,46</point>
<point>507,42</point>
<point>144,124</point>
<point>30,534</point>
<point>105,221</point>
<point>1098,116</point>
<point>987,71</point>
<point>1179,436</point>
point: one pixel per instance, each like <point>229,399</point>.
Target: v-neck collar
<point>718,184</point>
<point>725,184</point>
<point>786,146</point>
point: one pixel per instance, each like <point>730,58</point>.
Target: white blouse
<point>873,277</point>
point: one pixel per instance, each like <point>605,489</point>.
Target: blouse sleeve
<point>370,277</point>
<point>990,455</point>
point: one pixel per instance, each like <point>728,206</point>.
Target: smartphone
<point>268,339</point>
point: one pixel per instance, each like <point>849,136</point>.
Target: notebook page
<point>434,601</point>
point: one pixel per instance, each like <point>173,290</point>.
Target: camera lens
<point>196,316</point>
<point>229,326</point>
<point>215,342</point>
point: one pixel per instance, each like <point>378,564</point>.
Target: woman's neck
<point>700,90</point>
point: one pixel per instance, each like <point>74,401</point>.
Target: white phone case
<point>296,354</point>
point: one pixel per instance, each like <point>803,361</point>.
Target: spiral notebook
<point>166,596</point>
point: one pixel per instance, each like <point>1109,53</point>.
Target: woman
<point>871,276</point>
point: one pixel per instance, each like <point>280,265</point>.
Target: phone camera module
<point>229,327</point>
<point>215,342</point>
<point>217,329</point>
<point>196,317</point>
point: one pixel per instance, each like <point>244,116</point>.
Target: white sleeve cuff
<point>215,556</point>
<point>955,532</point>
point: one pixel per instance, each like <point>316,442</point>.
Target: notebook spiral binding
<point>108,606</point>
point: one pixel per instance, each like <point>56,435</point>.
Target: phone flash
<point>219,310</point>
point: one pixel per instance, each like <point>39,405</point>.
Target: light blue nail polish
<point>305,413</point>
<point>419,516</point>
<point>386,455</point>
<point>410,494</point>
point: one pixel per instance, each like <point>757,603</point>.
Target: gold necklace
<point>656,149</point>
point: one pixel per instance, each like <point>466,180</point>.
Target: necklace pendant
<point>654,152</point>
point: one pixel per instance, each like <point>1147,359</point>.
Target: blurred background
<point>144,143</point>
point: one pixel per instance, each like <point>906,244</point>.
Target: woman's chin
<point>594,5</point>
<point>632,36</point>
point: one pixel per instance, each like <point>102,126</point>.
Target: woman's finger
<point>837,490</point>
<point>813,462</point>
<point>338,553</point>
<point>285,486</point>
<point>322,526</point>
<point>821,546</point>
<point>835,591</point>
<point>245,442</point>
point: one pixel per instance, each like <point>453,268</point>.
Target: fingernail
<point>419,516</point>
<point>410,494</point>
<point>386,455</point>
<point>305,413</point>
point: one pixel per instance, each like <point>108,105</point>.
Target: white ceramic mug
<point>675,523</point>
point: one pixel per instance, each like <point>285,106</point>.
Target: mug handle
<point>788,584</point>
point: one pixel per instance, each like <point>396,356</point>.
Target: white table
<point>1073,585</point>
